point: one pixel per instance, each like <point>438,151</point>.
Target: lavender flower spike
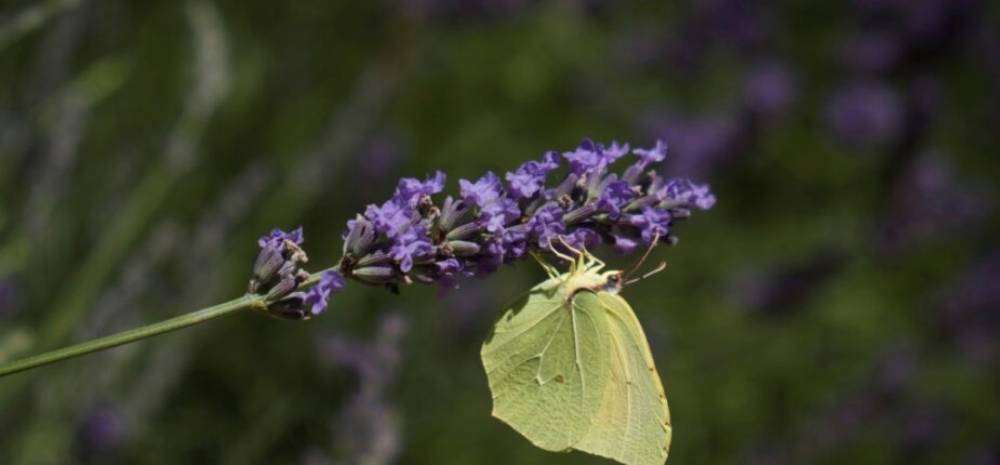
<point>278,276</point>
<point>410,239</point>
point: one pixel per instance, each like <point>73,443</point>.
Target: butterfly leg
<point>549,269</point>
<point>561,255</point>
<point>593,263</point>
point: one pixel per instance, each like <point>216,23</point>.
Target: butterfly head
<point>614,281</point>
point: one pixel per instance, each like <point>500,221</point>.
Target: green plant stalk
<point>132,335</point>
<point>248,301</point>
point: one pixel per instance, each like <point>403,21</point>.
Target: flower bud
<point>452,212</point>
<point>566,187</point>
<point>375,258</point>
<point>375,274</point>
<point>360,237</point>
<point>462,248</point>
<point>465,231</point>
<point>285,286</point>
<point>289,308</point>
<point>268,263</point>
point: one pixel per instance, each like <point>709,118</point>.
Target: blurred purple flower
<point>735,23</point>
<point>380,155</point>
<point>970,311</point>
<point>874,52</point>
<point>770,89</point>
<point>922,428</point>
<point>989,455</point>
<point>786,288</point>
<point>101,431</point>
<point>460,11</point>
<point>9,295</point>
<point>467,309</point>
<point>865,114</point>
<point>368,427</point>
<point>895,368</point>
<point>927,202</point>
<point>699,144</point>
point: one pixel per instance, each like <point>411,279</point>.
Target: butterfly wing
<point>548,366</point>
<point>578,375</point>
<point>632,424</point>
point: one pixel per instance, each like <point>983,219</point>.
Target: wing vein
<point>576,351</point>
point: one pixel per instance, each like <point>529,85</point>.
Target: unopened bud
<point>374,274</point>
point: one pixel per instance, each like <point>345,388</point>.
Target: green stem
<point>132,335</point>
<point>248,301</point>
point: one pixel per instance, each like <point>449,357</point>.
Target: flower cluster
<point>278,275</point>
<point>495,221</point>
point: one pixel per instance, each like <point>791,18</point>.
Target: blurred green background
<point>840,304</point>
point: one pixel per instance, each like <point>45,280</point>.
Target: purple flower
<point>865,114</point>
<point>651,222</point>
<point>687,193</point>
<point>408,239</point>
<point>487,193</point>
<point>278,261</point>
<point>583,238</point>
<point>482,193</point>
<point>645,157</point>
<point>392,218</point>
<point>624,245</point>
<point>594,158</point>
<point>316,298</point>
<point>411,190</point>
<point>529,179</point>
<point>654,155</point>
<point>547,224</point>
<point>614,197</point>
<point>410,246</point>
<point>277,274</point>
<point>514,243</point>
<point>277,238</point>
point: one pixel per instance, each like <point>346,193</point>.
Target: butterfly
<point>569,367</point>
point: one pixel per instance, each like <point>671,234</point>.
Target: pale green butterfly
<point>569,368</point>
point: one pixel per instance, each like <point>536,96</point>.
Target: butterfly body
<point>569,368</point>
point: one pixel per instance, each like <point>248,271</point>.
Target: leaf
<point>578,374</point>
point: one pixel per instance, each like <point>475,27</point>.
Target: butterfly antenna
<point>649,250</point>
<point>659,268</point>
